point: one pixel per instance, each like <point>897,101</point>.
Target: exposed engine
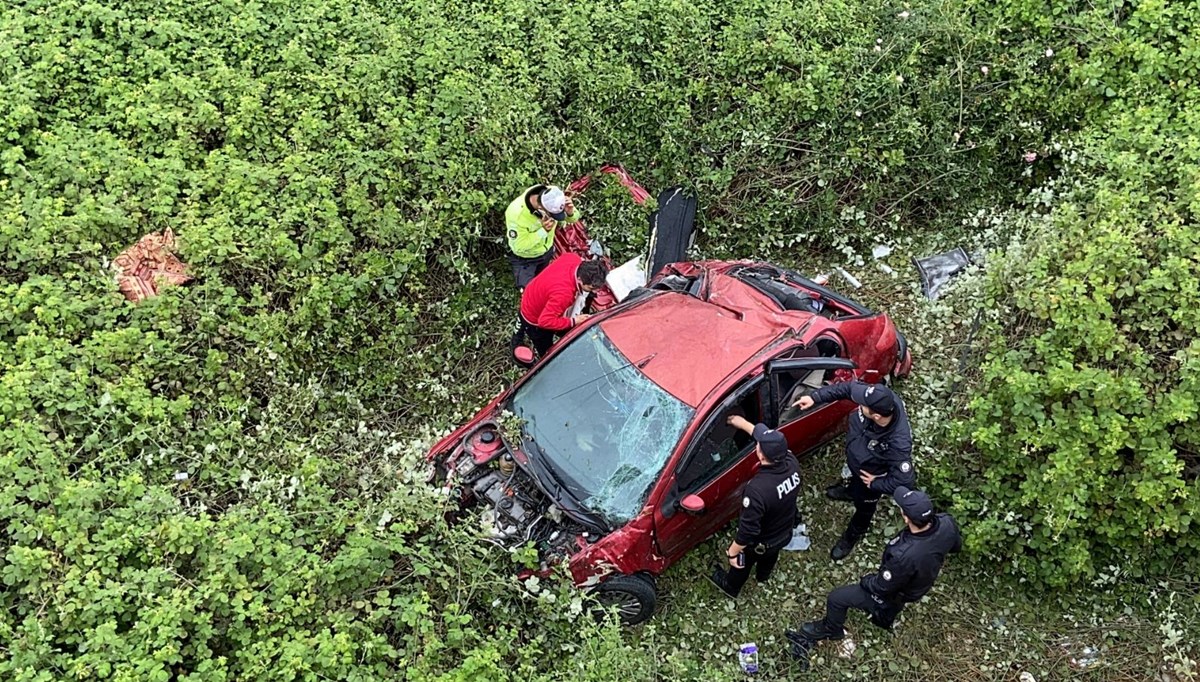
<point>515,511</point>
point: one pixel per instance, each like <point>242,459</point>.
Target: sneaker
<point>842,549</point>
<point>818,630</point>
<point>718,578</point>
<point>840,492</point>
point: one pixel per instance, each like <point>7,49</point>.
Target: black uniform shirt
<point>884,451</point>
<point>912,561</point>
<point>769,504</point>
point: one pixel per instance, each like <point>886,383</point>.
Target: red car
<point>613,453</point>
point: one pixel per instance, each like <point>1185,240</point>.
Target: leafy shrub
<point>1086,424</point>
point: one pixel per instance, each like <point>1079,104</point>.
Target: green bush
<point>1086,424</point>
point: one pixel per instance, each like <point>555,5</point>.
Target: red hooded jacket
<point>550,295</point>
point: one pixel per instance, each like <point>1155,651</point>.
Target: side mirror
<point>693,505</point>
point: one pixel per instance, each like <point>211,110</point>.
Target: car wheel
<point>634,597</point>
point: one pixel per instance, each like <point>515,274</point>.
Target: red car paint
<point>708,341</point>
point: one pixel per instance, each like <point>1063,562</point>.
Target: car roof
<point>695,342</point>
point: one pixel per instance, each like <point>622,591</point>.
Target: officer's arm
<point>901,471</point>
<point>828,394</point>
<point>892,577</point>
<point>750,523</point>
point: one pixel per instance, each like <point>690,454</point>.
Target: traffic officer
<point>911,563</point>
<point>531,220</point>
<point>878,451</point>
<point>768,510</point>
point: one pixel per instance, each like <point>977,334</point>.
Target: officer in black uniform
<point>768,510</point>
<point>878,451</point>
<point>910,565</point>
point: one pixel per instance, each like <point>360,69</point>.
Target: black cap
<point>876,397</point>
<point>772,443</point>
<point>915,504</point>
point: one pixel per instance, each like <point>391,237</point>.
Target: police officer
<point>768,510</point>
<point>878,451</point>
<point>911,563</point>
<point>531,220</point>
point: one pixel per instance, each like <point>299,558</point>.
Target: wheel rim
<point>628,605</point>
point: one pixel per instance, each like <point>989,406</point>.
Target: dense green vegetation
<point>221,483</point>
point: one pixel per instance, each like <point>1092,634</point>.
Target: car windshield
<point>603,428</point>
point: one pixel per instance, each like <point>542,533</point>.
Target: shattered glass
<point>605,428</point>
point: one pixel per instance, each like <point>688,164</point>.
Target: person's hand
<point>549,223</point>
<point>735,561</point>
<point>866,478</point>
<point>570,206</point>
<point>804,403</point>
<point>733,420</point>
<point>580,318</point>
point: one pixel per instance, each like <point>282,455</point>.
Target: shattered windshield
<point>603,427</point>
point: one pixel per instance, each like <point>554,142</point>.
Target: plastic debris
<point>850,279</point>
<point>144,267</point>
<point>847,647</point>
<point>881,251</point>
<point>800,540</point>
<point>938,269</point>
<point>181,475</point>
<point>748,658</point>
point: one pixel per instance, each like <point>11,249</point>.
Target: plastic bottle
<point>748,658</point>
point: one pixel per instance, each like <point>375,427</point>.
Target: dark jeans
<point>540,339</point>
<point>883,613</point>
<point>866,501</point>
<point>525,269</point>
<point>762,563</point>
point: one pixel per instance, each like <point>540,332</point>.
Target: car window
<point>791,386</point>
<point>601,425</point>
<point>720,445</point>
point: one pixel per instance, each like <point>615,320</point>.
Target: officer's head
<point>915,505</point>
<point>876,401</point>
<point>772,446</point>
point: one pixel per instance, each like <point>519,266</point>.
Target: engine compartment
<point>484,477</point>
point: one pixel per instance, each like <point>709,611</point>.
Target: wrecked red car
<point>613,454</point>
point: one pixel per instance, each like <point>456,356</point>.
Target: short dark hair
<point>592,273</point>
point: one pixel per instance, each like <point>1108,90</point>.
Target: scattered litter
<point>938,269</point>
<point>846,647</point>
<point>881,251</point>
<point>800,540</point>
<point>143,267</point>
<point>850,279</point>
<point>748,658</point>
<point>1027,677</point>
<point>181,475</point>
<point>887,269</point>
<point>821,279</point>
<point>1080,656</point>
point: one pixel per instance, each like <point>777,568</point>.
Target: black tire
<point>633,595</point>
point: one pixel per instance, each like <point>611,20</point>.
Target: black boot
<point>818,630</point>
<point>844,546</point>
<point>839,491</point>
<point>718,578</point>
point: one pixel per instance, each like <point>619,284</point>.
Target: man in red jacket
<point>550,295</point>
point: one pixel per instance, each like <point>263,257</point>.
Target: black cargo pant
<point>525,269</point>
<point>882,612</point>
<point>762,563</point>
<point>866,501</point>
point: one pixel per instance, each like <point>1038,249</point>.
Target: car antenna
<point>640,364</point>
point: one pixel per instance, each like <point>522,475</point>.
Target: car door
<point>791,378</point>
<point>717,462</point>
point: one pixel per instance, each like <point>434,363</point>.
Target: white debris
<point>850,279</point>
<point>1027,677</point>
<point>181,475</point>
<point>881,251</point>
<point>847,647</point>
